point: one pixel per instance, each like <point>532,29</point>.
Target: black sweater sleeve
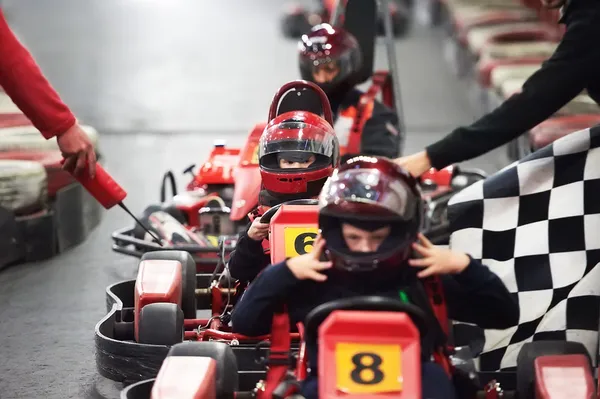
<point>562,77</point>
<point>478,296</point>
<point>253,314</point>
<point>248,258</point>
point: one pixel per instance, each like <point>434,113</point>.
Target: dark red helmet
<point>297,136</point>
<point>328,47</point>
<point>370,193</point>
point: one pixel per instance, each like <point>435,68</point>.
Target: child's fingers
<point>426,243</point>
<point>313,275</point>
<point>430,271</point>
<point>318,247</point>
<point>421,249</point>
<point>322,266</point>
<point>420,262</point>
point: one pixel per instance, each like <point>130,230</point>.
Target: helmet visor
<point>368,193</point>
<point>294,136</point>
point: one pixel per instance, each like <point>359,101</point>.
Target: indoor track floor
<point>161,80</point>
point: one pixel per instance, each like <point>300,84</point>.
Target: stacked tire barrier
<point>495,45</point>
<point>43,210</point>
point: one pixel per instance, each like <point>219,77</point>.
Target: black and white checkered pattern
<point>536,224</point>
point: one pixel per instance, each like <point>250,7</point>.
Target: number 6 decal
<point>303,241</point>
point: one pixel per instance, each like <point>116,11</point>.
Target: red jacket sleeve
<point>24,83</point>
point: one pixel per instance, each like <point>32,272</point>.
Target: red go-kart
<point>381,361</point>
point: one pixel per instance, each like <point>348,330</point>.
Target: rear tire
<point>160,324</point>
<point>188,277</point>
<point>227,368</point>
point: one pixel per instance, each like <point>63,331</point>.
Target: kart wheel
<point>227,368</point>
<point>23,186</point>
<point>532,350</point>
<point>188,277</point>
<point>295,25</point>
<point>161,324</point>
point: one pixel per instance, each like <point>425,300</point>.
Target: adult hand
<point>415,164</point>
<point>78,151</point>
<point>308,266</point>
<point>258,231</point>
<point>553,3</point>
<point>437,260</point>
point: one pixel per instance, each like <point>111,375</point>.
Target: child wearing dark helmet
<point>332,58</point>
<point>370,216</point>
<point>298,151</point>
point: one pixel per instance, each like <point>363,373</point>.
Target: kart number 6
<point>299,240</point>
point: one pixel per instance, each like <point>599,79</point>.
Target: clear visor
<point>297,136</point>
<point>369,187</point>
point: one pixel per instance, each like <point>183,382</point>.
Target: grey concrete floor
<point>161,80</point>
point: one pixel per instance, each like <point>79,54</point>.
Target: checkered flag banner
<point>536,224</point>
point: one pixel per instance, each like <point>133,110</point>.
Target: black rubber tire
<point>294,26</point>
<point>530,351</point>
<point>227,368</point>
<point>160,324</point>
<point>188,277</point>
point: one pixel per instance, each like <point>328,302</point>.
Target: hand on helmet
<point>308,266</point>
<point>415,164</point>
<point>258,231</point>
<point>437,260</point>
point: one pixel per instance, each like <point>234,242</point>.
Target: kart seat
<point>518,31</point>
<point>553,129</point>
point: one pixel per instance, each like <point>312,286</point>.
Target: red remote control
<point>102,187</point>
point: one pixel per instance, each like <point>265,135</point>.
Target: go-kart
<point>297,20</point>
<point>160,308</point>
<point>383,361</point>
<point>216,202</point>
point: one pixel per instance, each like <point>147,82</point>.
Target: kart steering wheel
<point>369,303</point>
<point>268,215</point>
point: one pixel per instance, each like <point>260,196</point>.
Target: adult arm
<point>559,80</point>
<point>24,83</point>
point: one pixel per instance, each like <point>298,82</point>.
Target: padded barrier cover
<point>518,50</point>
<point>503,73</point>
<point>478,36</point>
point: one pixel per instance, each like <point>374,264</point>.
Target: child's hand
<point>308,266</point>
<point>438,260</point>
<point>258,231</point>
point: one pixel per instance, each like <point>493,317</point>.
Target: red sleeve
<point>24,83</point>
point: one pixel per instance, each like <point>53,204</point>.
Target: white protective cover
<point>24,138</point>
<point>23,184</point>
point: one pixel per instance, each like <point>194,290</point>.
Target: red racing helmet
<point>325,47</point>
<point>297,136</point>
<point>370,193</point>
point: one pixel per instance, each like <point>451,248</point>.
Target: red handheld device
<point>107,192</point>
<point>102,187</point>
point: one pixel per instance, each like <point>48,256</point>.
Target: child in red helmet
<point>298,151</point>
<point>370,216</point>
<point>331,57</point>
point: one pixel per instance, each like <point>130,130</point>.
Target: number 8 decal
<point>303,241</point>
<point>366,370</point>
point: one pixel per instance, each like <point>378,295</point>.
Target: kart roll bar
<point>301,84</point>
